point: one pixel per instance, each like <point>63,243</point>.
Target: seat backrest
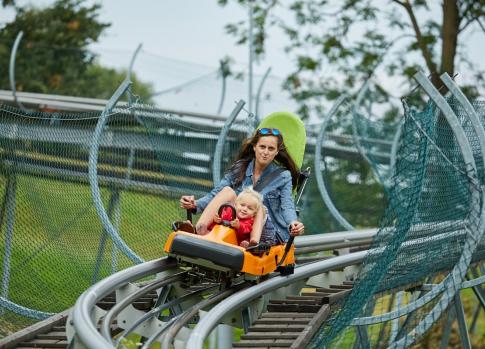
<point>293,131</point>
<point>294,136</point>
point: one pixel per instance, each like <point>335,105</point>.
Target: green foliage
<point>6,3</point>
<point>53,56</point>
<point>353,36</point>
<point>101,82</point>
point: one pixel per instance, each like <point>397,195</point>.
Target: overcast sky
<point>183,40</point>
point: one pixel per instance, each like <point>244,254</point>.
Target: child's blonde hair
<point>253,193</point>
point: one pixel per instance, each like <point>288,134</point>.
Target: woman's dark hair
<point>246,154</point>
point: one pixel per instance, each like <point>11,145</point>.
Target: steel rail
<point>113,312</point>
<point>90,104</point>
<point>83,324</point>
<point>11,69</point>
<point>160,308</point>
<point>86,330</point>
<point>334,246</point>
<point>93,176</point>
<point>189,314</point>
<point>421,229</point>
<point>221,140</point>
<point>317,164</point>
<point>331,238</point>
<point>302,272</point>
<point>210,320</point>
<point>89,331</point>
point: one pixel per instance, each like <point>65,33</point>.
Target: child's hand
<point>235,224</point>
<point>217,219</point>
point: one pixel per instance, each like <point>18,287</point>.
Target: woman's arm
<point>287,203</point>
<point>288,208</point>
<point>202,203</point>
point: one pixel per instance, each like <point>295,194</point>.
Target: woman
<point>258,163</point>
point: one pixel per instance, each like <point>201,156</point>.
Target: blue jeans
<point>269,234</point>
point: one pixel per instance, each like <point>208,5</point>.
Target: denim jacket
<point>277,196</point>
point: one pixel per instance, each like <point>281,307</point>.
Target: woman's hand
<point>296,228</point>
<point>188,202</point>
<point>217,219</point>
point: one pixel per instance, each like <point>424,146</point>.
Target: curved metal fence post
<point>251,56</point>
<point>10,204</point>
<point>472,114</point>
<point>11,68</point>
<point>93,175</point>
<point>318,171</point>
<point>114,202</point>
<point>223,92</point>
<point>216,165</point>
<point>450,118</point>
<point>258,95</point>
<point>132,61</point>
<point>356,136</point>
<point>460,317</point>
<point>130,70</point>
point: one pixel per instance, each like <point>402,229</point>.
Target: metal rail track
<point>292,322</point>
<point>172,328</point>
<point>306,309</point>
<point>54,327</point>
<point>51,333</point>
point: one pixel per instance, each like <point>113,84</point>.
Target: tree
<point>6,3</point>
<point>353,35</point>
<point>53,55</point>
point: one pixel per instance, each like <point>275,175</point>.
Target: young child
<point>247,204</point>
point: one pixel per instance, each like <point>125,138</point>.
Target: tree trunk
<point>449,36</point>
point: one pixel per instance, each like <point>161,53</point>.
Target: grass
<point>57,235</point>
<point>432,338</point>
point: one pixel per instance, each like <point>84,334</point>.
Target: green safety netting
<point>347,178</point>
<point>377,142</point>
<point>429,228</point>
<point>53,243</point>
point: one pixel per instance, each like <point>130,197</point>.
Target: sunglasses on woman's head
<point>269,131</point>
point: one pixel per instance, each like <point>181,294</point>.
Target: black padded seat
<point>218,254</point>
